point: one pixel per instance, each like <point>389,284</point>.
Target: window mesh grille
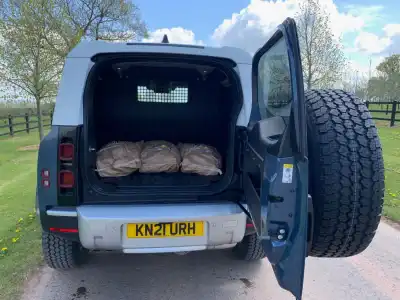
<point>179,95</point>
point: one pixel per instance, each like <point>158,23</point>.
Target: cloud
<point>384,44</point>
<point>362,66</point>
<point>369,14</point>
<point>176,35</point>
<point>352,25</point>
<point>343,22</point>
<point>250,28</point>
<point>371,43</point>
<point>393,32</point>
<point>392,29</point>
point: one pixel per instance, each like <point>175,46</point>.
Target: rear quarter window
<point>167,93</point>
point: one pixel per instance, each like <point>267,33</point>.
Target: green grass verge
<point>19,230</point>
<point>21,259</point>
<point>390,139</point>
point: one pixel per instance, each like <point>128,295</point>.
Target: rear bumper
<point>104,227</point>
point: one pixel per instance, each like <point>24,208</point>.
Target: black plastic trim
<point>166,44</point>
<point>60,222</point>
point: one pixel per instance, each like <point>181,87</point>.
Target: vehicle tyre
<point>249,248</point>
<point>346,173</point>
<point>60,253</point>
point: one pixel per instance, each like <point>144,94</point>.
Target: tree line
<point>37,35</point>
<point>385,84</point>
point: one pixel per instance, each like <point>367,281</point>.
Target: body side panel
<point>69,102</point>
<point>47,160</point>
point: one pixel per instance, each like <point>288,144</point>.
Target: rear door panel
<point>275,162</point>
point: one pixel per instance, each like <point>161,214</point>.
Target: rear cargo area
<point>179,101</point>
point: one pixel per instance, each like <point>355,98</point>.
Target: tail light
<point>66,179</point>
<point>66,176</point>
<point>66,151</point>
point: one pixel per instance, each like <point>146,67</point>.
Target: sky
<point>368,30</point>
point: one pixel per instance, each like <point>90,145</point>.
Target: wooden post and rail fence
<point>13,124</point>
<point>388,113</point>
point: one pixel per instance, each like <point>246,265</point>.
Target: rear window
<point>171,93</point>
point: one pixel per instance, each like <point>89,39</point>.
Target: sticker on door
<point>287,174</point>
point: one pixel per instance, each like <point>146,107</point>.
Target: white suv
<point>302,171</point>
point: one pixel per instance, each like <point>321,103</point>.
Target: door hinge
<point>243,136</point>
<point>243,145</point>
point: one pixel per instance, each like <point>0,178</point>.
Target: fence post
<point>27,122</point>
<point>393,115</point>
<point>10,125</point>
<point>367,104</point>
<point>51,117</point>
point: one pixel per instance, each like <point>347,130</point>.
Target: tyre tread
<point>60,253</point>
<point>347,173</point>
<point>250,248</point>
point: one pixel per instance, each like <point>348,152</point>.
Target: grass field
<point>19,232</point>
<point>390,139</point>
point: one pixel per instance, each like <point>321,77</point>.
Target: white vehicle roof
<point>91,48</point>
<point>69,109</point>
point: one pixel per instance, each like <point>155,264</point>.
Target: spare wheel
<point>346,173</point>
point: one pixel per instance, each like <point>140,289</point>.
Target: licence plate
<point>165,229</point>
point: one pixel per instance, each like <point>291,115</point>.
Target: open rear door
<point>275,164</point>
